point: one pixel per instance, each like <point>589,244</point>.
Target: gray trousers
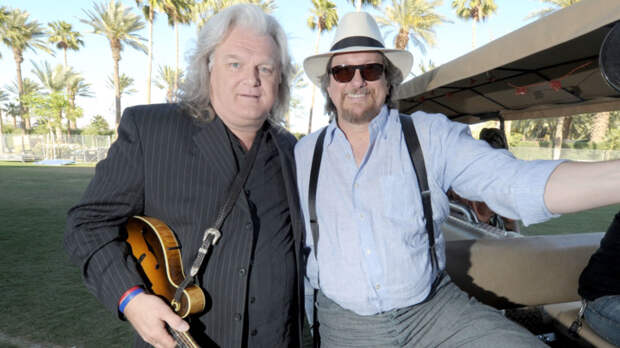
<point>448,319</point>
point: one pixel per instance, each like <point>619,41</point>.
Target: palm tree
<point>64,37</point>
<point>55,81</point>
<point>166,81</point>
<point>555,5</point>
<point>150,9</point>
<point>120,26</point>
<point>323,17</point>
<point>414,20</point>
<point>13,110</point>
<point>126,84</point>
<point>476,10</point>
<point>563,128</point>
<point>178,12</point>
<point>359,3</point>
<point>30,88</point>
<point>77,88</point>
<point>297,83</point>
<point>600,126</point>
<point>4,13</point>
<point>201,11</point>
<point>19,33</point>
<point>3,97</point>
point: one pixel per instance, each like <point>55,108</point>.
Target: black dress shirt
<point>269,314</point>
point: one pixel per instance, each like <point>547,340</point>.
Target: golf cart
<point>564,64</point>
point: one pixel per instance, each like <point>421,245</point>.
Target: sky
<point>94,60</point>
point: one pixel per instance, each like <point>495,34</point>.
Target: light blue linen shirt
<point>373,247</point>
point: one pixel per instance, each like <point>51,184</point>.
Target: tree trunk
<point>358,5</point>
<point>568,120</point>
<point>58,127</point>
<point>176,71</point>
<point>116,56</point>
<point>316,50</point>
<point>402,40</point>
<point>17,54</point>
<point>312,109</point>
<point>557,139</point>
<point>150,63</point>
<point>600,126</point>
<point>507,131</point>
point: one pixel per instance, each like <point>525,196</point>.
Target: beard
<point>357,116</point>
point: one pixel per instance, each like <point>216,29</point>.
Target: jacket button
<point>242,271</point>
<point>252,299</point>
<point>253,332</point>
<point>237,316</point>
<point>248,226</point>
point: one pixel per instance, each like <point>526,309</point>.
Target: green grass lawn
<point>43,300</point>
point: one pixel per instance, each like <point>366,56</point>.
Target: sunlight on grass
<point>43,298</point>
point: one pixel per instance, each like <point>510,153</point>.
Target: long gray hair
<point>392,74</point>
<point>194,93</point>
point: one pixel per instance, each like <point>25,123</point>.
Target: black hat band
<point>356,41</point>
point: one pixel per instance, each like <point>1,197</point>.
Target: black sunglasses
<point>369,72</point>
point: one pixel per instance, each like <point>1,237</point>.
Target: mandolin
<point>158,253</point>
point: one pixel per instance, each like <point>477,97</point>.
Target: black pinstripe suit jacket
<point>167,165</point>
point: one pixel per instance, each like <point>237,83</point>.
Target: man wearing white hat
<point>375,183</point>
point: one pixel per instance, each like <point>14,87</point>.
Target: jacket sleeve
<point>94,233</point>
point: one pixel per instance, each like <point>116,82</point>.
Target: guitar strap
<point>417,160</point>
<point>212,234</point>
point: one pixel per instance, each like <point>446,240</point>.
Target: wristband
<point>127,296</point>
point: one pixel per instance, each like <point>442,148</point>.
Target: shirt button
<point>377,286</point>
<point>361,216</point>
<point>367,251</point>
<point>252,299</point>
<point>237,317</point>
<point>253,332</point>
<point>242,271</point>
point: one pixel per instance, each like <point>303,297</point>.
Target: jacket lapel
<point>211,140</point>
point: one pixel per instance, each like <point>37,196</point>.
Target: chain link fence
<point>94,148</point>
<point>78,148</point>
<point>535,153</point>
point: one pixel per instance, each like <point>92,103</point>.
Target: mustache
<point>362,90</point>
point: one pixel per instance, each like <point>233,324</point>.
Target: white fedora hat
<point>357,32</point>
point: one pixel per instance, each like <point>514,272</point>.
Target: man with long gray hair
<point>217,159</point>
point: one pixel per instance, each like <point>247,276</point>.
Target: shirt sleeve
<point>511,187</point>
<point>94,233</point>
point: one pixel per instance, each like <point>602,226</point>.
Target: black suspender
<point>314,224</point>
<point>314,178</point>
<point>417,159</point>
